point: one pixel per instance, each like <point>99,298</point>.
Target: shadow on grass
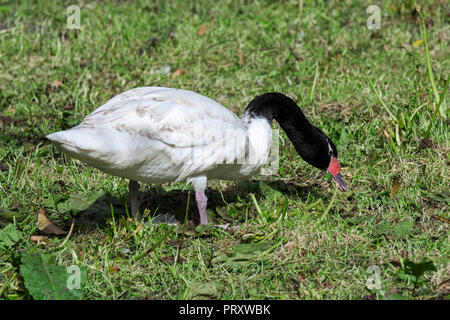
<point>160,201</point>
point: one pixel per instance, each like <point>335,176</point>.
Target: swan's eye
<point>330,150</point>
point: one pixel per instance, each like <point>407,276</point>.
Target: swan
<point>157,134</point>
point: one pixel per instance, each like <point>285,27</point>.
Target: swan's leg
<point>134,189</point>
<point>202,200</point>
<point>199,184</point>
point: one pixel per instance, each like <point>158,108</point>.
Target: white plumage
<point>155,134</point>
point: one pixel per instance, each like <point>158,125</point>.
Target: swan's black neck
<point>310,142</point>
<point>281,108</point>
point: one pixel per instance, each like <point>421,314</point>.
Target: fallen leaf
<point>45,225</point>
<point>202,29</point>
<point>113,269</point>
<point>39,239</point>
<point>440,218</point>
<point>177,73</point>
<point>395,187</point>
<point>417,43</point>
<point>45,280</point>
<point>57,83</point>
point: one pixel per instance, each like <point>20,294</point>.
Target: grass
<point>303,241</point>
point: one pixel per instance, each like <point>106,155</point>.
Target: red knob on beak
<point>334,168</point>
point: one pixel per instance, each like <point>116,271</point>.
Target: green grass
<point>323,56</point>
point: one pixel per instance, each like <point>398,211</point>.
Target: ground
<point>292,235</point>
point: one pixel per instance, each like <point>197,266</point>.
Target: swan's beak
<point>334,168</point>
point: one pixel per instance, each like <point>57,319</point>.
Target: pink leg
<point>201,204</point>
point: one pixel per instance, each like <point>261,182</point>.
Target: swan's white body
<point>155,134</point>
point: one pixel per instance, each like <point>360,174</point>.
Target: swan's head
<point>319,151</point>
<point>310,142</point>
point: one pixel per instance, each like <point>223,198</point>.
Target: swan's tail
<point>79,142</point>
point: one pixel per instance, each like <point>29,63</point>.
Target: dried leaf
<point>202,29</point>
<point>39,240</point>
<point>113,269</point>
<point>417,43</point>
<point>177,73</point>
<point>395,187</point>
<point>440,218</point>
<point>45,225</point>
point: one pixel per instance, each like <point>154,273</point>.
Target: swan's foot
<point>134,189</point>
<point>202,200</point>
<point>222,226</point>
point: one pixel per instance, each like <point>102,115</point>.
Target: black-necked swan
<point>156,135</point>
